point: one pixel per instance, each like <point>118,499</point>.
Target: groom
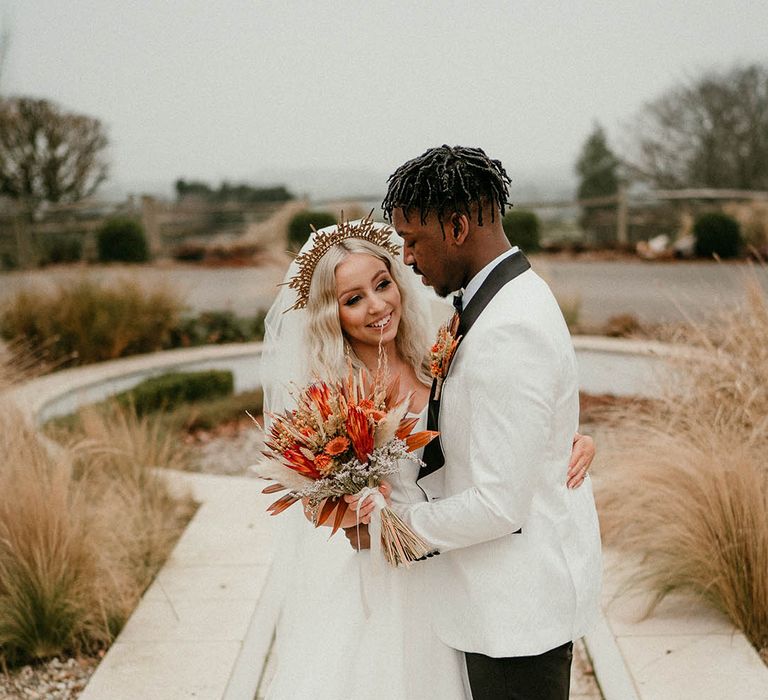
<point>519,573</point>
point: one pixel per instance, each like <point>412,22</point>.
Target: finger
<point>576,454</point>
<point>577,466</point>
<point>357,504</point>
<point>577,479</point>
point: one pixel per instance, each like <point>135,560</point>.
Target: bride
<point>349,629</point>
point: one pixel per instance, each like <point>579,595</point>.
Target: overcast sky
<point>255,90</point>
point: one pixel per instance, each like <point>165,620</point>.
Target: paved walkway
<point>654,292</point>
<point>685,650</point>
<point>203,629</point>
<point>194,622</point>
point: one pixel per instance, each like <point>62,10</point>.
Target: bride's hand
<point>358,537</point>
<point>582,454</point>
<point>349,520</point>
<point>366,507</point>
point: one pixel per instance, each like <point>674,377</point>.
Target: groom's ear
<point>459,228</point>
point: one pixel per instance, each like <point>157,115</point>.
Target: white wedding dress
<point>328,648</point>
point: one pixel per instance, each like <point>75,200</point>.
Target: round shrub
<point>299,227</point>
<point>60,248</point>
<point>8,261</point>
<point>522,229</point>
<point>122,240</point>
<point>717,234</point>
<point>212,327</point>
<point>175,388</point>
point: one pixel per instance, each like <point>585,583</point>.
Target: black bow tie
<point>458,303</point>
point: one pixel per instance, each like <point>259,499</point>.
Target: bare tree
<point>47,154</point>
<point>709,132</point>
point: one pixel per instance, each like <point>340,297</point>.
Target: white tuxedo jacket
<point>509,411</point>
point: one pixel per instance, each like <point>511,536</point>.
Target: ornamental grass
<point>85,321</point>
<point>684,481</point>
<point>84,527</point>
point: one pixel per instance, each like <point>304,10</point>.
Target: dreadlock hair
<point>448,179</point>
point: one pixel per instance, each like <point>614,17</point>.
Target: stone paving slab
<point>695,667</point>
<point>163,671</point>
<point>227,582</point>
<point>682,650</point>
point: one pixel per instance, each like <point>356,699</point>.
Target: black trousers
<point>546,676</point>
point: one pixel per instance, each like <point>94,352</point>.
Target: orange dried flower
<point>323,463</point>
<point>337,446</point>
<point>360,431</point>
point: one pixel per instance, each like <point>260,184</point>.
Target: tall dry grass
<point>684,481</point>
<point>87,321</point>
<point>84,527</point>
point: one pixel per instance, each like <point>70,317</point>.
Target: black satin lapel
<point>433,454</point>
<point>505,271</point>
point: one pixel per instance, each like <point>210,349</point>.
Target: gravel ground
<point>54,680</point>
<point>230,454</point>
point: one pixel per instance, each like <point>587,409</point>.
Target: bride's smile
<point>369,300</point>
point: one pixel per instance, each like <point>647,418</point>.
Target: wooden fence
<point>628,218</point>
<point>622,219</point>
<point>59,231</point>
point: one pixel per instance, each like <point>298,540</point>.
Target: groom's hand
<point>352,535</point>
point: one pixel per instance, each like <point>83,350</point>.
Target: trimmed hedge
<point>522,229</point>
<point>175,388</point>
<point>60,248</point>
<point>717,234</point>
<point>213,327</point>
<point>299,226</point>
<point>122,240</point>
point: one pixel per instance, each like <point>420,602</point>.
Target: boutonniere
<point>441,353</point>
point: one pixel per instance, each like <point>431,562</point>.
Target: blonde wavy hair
<point>325,341</point>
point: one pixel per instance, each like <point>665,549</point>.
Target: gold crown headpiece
<point>324,241</point>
